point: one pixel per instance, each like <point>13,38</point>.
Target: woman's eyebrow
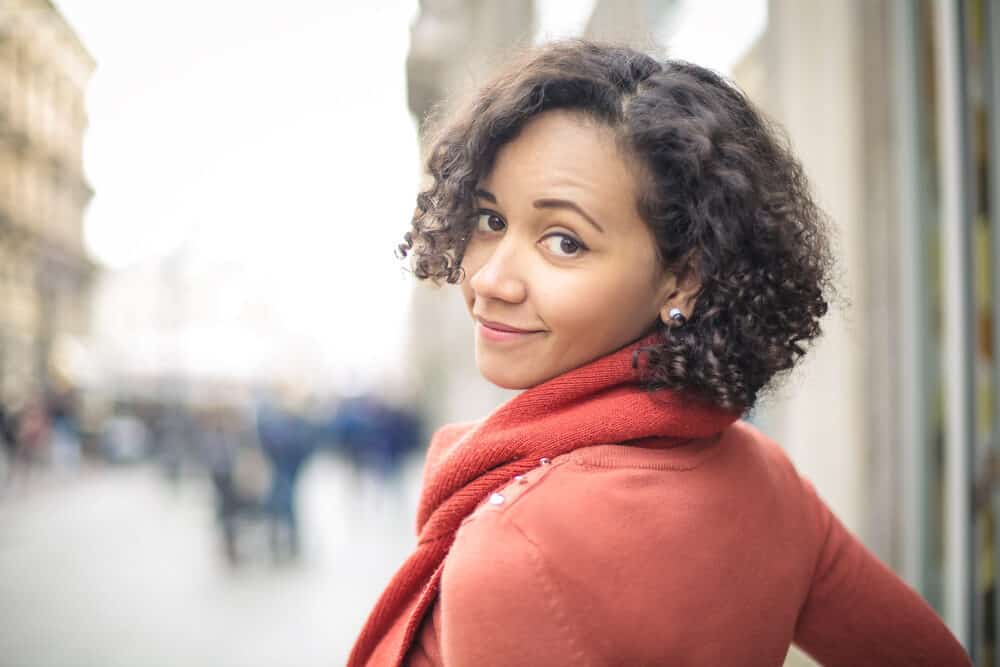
<point>487,195</point>
<point>565,203</point>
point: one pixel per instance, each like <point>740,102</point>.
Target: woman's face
<point>559,253</point>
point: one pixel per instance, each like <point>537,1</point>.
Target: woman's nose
<point>499,276</point>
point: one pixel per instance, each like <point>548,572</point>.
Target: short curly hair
<point>722,195</point>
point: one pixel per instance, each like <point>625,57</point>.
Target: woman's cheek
<point>572,297</point>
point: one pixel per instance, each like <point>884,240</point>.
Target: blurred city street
<point>219,371</point>
<point>114,566</point>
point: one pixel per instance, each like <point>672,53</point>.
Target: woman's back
<point>709,553</point>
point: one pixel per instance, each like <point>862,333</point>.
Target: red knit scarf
<point>598,403</point>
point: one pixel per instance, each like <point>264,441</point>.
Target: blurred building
<point>894,110</point>
<point>45,274</point>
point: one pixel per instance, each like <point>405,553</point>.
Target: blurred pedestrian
<point>65,433</point>
<point>173,436</point>
<point>7,444</point>
<point>30,429</point>
<point>240,478</point>
<point>287,440</point>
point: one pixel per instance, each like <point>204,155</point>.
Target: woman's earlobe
<point>672,316</point>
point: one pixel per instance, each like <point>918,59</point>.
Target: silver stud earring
<point>677,316</point>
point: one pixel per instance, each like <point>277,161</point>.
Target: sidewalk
<point>114,567</point>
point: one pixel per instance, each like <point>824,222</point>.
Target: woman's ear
<point>681,292</point>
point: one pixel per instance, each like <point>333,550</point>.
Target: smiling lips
<point>499,332</point>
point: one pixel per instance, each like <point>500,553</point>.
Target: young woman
<point>642,256</point>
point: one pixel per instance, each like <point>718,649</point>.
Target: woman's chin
<point>505,379</point>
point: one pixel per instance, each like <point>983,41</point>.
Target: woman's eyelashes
<point>560,244</point>
<point>493,222</point>
<point>567,246</point>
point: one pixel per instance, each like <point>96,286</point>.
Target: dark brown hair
<point>723,196</point>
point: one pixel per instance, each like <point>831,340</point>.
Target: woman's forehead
<point>559,154</point>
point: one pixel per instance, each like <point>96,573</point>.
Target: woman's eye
<point>489,222</point>
<point>563,244</point>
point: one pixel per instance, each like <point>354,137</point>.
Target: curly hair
<point>721,193</point>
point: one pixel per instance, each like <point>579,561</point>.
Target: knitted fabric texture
<point>598,403</point>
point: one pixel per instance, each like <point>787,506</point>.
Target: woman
<point>642,256</point>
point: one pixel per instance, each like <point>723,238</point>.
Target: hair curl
<point>723,196</point>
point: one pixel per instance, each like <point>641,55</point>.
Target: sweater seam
<point>508,507</point>
<point>819,555</point>
<point>610,461</point>
<point>554,596</point>
<point>611,465</point>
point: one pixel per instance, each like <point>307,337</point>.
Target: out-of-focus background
<point>217,384</point>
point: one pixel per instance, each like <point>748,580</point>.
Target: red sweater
<point>712,552</point>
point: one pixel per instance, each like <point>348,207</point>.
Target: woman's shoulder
<point>604,530</point>
<point>577,499</point>
<point>740,446</point>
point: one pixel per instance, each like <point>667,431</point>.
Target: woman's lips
<point>500,333</point>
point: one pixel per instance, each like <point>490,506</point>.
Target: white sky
<point>716,33</point>
<point>273,138</point>
<point>561,18</point>
<point>712,33</point>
